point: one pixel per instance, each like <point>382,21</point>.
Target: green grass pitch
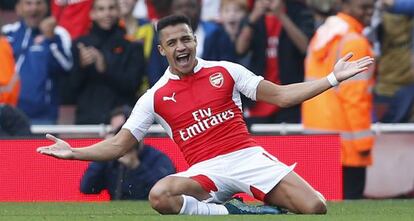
<point>378,210</point>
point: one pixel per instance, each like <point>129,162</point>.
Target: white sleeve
<point>245,80</point>
<point>142,116</point>
<point>61,50</point>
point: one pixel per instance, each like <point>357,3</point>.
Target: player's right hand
<point>60,149</point>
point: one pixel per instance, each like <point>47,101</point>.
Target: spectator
<point>394,91</point>
<point>133,27</point>
<point>13,122</point>
<point>130,23</point>
<point>213,42</point>
<point>277,33</point>
<point>400,6</point>
<point>371,31</point>
<point>72,15</point>
<point>9,79</point>
<point>322,9</point>
<point>42,53</point>
<point>231,13</point>
<point>132,176</point>
<point>108,68</point>
<point>347,108</point>
<point>156,63</point>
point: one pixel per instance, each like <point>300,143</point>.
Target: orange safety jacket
<point>345,109</point>
<point>9,80</point>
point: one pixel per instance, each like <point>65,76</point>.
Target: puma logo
<point>165,98</point>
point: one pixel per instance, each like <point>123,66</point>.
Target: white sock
<point>191,206</point>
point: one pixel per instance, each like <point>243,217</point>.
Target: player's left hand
<point>345,69</point>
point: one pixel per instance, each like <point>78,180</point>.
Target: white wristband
<point>332,79</point>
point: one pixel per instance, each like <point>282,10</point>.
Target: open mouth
<point>232,23</point>
<point>35,16</point>
<point>183,59</point>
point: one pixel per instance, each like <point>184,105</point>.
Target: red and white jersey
<point>201,112</point>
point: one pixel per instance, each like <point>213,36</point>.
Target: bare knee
<point>162,199</point>
<point>157,199</point>
<point>319,207</point>
<point>166,195</point>
<point>316,206</point>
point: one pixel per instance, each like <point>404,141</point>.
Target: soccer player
<point>198,104</point>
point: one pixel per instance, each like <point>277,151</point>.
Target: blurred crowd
<point>97,55</point>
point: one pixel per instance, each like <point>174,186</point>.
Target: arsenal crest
<point>217,79</point>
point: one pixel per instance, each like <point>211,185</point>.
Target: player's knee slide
<point>156,199</point>
<point>158,204</point>
<point>160,200</point>
<point>317,207</point>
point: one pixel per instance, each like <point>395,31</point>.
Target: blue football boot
<point>237,206</point>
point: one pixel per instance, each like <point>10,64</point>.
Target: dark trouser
<point>354,182</point>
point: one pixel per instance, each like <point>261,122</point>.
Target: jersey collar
<point>196,69</point>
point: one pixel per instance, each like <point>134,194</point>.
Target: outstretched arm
<point>292,94</point>
<point>108,149</point>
